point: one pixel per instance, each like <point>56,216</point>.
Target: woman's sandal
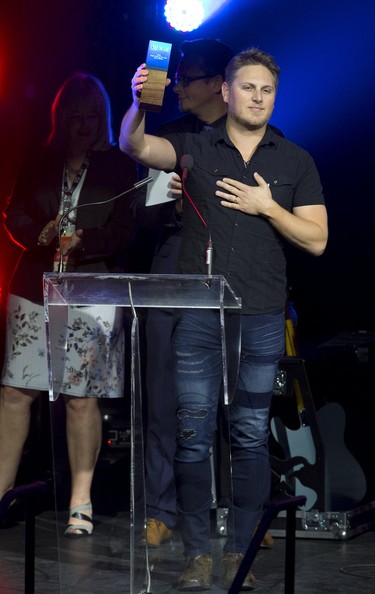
<point>80,530</point>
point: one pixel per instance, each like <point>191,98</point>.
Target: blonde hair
<point>80,88</point>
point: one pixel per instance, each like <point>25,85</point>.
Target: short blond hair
<point>80,88</point>
<point>250,57</point>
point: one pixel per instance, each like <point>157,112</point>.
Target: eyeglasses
<point>184,81</point>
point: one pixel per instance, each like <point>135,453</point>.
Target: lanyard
<point>68,191</point>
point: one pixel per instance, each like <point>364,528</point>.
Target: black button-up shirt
<point>247,250</point>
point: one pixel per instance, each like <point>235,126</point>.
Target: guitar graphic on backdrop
<point>298,445</point>
<point>317,462</point>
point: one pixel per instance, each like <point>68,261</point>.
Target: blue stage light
<point>184,15</point>
<point>188,15</point>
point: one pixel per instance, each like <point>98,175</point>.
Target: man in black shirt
<point>198,80</point>
<point>255,192</point>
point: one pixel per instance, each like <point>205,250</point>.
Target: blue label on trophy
<point>158,55</point>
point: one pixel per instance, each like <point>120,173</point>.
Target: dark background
<point>325,103</point>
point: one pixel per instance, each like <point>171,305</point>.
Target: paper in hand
<point>159,192</point>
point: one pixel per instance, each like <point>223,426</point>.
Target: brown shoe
<point>267,542</point>
<point>197,575</point>
<point>156,533</point>
<point>231,563</point>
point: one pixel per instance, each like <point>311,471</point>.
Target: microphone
<point>136,186</point>
<point>186,163</point>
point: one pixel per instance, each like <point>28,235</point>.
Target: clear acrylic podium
<point>135,292</point>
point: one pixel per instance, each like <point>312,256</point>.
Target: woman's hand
<point>47,234</point>
<point>75,243</point>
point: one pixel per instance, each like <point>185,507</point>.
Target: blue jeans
<point>198,379</point>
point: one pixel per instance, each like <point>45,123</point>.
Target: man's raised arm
<point>151,151</point>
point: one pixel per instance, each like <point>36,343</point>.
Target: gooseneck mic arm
<point>136,186</point>
<point>186,163</point>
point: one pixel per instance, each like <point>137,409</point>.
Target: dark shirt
<point>186,123</point>
<point>247,250</point>
<point>107,228</point>
<point>159,227</point>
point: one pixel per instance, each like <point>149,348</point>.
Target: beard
<point>250,125</point>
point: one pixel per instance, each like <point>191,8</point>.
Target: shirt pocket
<point>282,190</point>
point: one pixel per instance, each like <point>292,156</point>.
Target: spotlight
<point>184,15</point>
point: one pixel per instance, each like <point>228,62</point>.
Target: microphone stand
<point>209,253</point>
<point>136,186</point>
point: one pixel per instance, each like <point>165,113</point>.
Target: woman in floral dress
<point>80,164</point>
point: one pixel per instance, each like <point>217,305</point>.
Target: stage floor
<point>100,564</point>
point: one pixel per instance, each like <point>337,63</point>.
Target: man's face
<point>195,95</point>
<point>251,96</point>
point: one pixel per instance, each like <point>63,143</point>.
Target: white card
<point>159,191</point>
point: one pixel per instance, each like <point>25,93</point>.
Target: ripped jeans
<point>198,379</point>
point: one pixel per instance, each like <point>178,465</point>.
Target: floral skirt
<point>94,359</point>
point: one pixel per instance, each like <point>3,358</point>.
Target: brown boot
<point>231,563</point>
<point>197,575</point>
<point>156,533</point>
<point>267,542</point>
